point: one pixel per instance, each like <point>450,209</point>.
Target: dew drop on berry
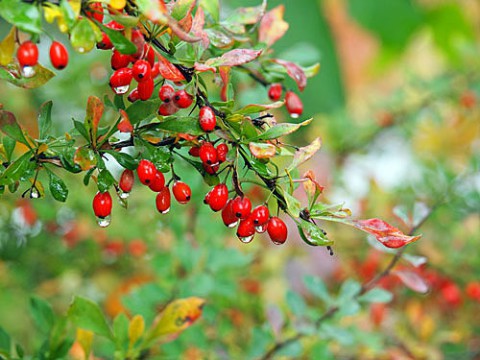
<point>119,90</point>
<point>34,194</point>
<point>165,211</point>
<point>124,195</point>
<point>261,228</point>
<point>232,225</point>
<point>277,242</point>
<point>103,221</point>
<point>246,239</point>
<point>28,71</point>
<point>295,116</point>
<point>81,50</point>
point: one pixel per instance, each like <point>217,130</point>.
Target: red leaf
<point>186,23</point>
<point>203,68</point>
<point>225,75</point>
<point>412,280</point>
<point>197,27</point>
<point>168,70</point>
<point>234,57</point>
<point>388,235</point>
<point>124,125</point>
<point>272,26</point>
<point>295,72</point>
<point>94,113</point>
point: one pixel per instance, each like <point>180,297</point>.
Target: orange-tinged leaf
<point>203,68</point>
<point>85,158</point>
<point>272,26</point>
<point>305,153</point>
<point>412,280</point>
<point>234,57</point>
<point>124,125</point>
<point>177,316</point>
<point>295,72</point>
<point>311,186</point>
<point>92,118</point>
<point>168,70</point>
<point>262,150</point>
<point>385,233</point>
<point>7,47</point>
<point>197,28</point>
<point>135,329</point>
<point>225,75</point>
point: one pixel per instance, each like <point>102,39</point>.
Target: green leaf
<point>119,103</point>
<point>143,110</point>
<point>295,303</point>
<point>180,8</point>
<point>105,180</point>
<point>349,289</point>
<point>9,145</point>
<point>5,342</point>
<point>80,127</point>
<point>87,315</point>
<point>68,13</point>
<point>120,330</point>
<point>212,7</point>
<point>317,287</point>
<point>9,126</point>
<point>82,36</point>
<point>120,42</point>
<point>42,314</point>
<point>57,187</point>
<point>293,204</point>
<point>41,76</point>
<point>280,130</point>
<point>45,120</point>
<point>124,159</point>
<point>312,234</point>
<point>16,169</point>
<point>184,125</point>
<point>349,308</point>
<point>25,16</point>
<point>256,108</point>
<point>376,295</point>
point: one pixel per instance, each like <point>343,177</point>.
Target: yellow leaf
<point>135,329</point>
<point>42,148</point>
<point>53,12</point>
<point>76,6</point>
<point>176,317</point>
<point>7,48</point>
<point>85,339</point>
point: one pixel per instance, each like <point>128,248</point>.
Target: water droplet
<point>28,71</point>
<point>124,195</point>
<point>34,194</point>
<point>232,225</point>
<point>119,90</point>
<point>261,228</point>
<point>103,221</point>
<point>295,116</point>
<point>81,50</point>
<point>165,211</point>
<point>246,239</point>
<point>277,242</point>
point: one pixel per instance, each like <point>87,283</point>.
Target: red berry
<point>146,172</point>
<point>218,197</point>
<point>182,99</point>
<point>228,216</point>
<point>155,70</point>
<point>194,151</point>
<point>126,181</point>
<point>141,70</point>
<point>102,204</point>
<point>119,60</point>
<point>211,169</point>
<point>207,119</point>
<point>139,41</point>
<point>166,93</point>
<point>27,54</point>
<point>294,104</point>
<point>120,80</point>
<point>167,109</point>
<point>182,192</point>
<point>206,199</point>
<point>260,215</point>
<point>242,207</point>
<point>158,182</point>
<point>275,92</point>
<point>277,230</point>
<point>473,290</point>
<point>222,151</point>
<point>208,154</point>
<point>58,55</point>
<point>95,11</point>
<point>145,89</point>
<point>246,230</point>
<point>149,55</point>
<point>163,200</point>
<point>105,43</point>
<point>451,294</point>
<point>133,96</point>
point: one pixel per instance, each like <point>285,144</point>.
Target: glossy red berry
<point>95,11</point>
<point>181,192</point>
<point>228,216</point>
<point>166,93</point>
<point>120,80</point>
<point>194,151</point>
<point>246,230</point>
<point>106,43</point>
<point>133,96</point>
<point>208,154</point>
<point>163,200</point>
<point>211,169</point>
<point>242,207</point>
<point>145,89</point>
<point>218,197</point>
<point>139,41</point>
<point>146,172</point>
<point>102,204</point>
<point>222,151</point>
<point>155,70</point>
<point>182,99</point>
<point>158,182</point>
<point>260,215</point>
<point>27,54</point>
<point>277,230</point>
<point>207,119</point>
<point>58,55</point>
<point>167,108</point>
<point>119,60</point>
<point>275,92</point>
<point>126,181</point>
<point>149,55</point>
<point>206,199</point>
<point>141,71</point>
<point>294,104</point>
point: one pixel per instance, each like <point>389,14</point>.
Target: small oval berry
<point>275,92</point>
<point>141,71</point>
<point>149,55</point>
<point>228,216</point>
<point>167,109</point>
<point>260,215</point>
<point>218,197</point>
<point>158,182</point>
<point>155,70</point>
<point>126,181</point>
<point>95,11</point>
<point>242,207</point>
<point>211,169</point>
<point>222,151</point>
<point>182,99</point>
<point>146,171</point>
<point>27,54</point>
<point>208,154</point>
<point>194,151</point>
<point>58,55</point>
<point>120,80</point>
<point>133,96</point>
<point>206,199</point>
<point>139,41</point>
<point>145,89</point>
<point>246,230</point>
<point>294,104</point>
<point>163,200</point>
<point>119,60</point>
<point>277,230</point>
<point>207,119</point>
<point>166,93</point>
<point>102,204</point>
<point>181,192</point>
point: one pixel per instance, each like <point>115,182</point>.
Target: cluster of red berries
<point>173,100</point>
<point>150,176</point>
<point>292,101</point>
<point>27,56</point>
<point>238,211</point>
<point>210,155</point>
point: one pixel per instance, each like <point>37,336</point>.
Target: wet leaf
<point>142,110</point>
<point>41,76</point>
<point>305,153</point>
<point>57,187</point>
<point>168,70</point>
<point>45,120</point>
<point>82,36</point>
<point>295,72</point>
<point>7,47</point>
<point>16,170</point>
<point>87,315</point>
<point>85,158</point>
<point>256,108</point>
<point>385,233</point>
<point>412,280</point>
<point>262,150</point>
<point>312,234</point>
<point>9,126</point>
<point>234,57</point>
<point>124,159</point>
<point>280,130</point>
<point>272,26</point>
<point>93,115</point>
